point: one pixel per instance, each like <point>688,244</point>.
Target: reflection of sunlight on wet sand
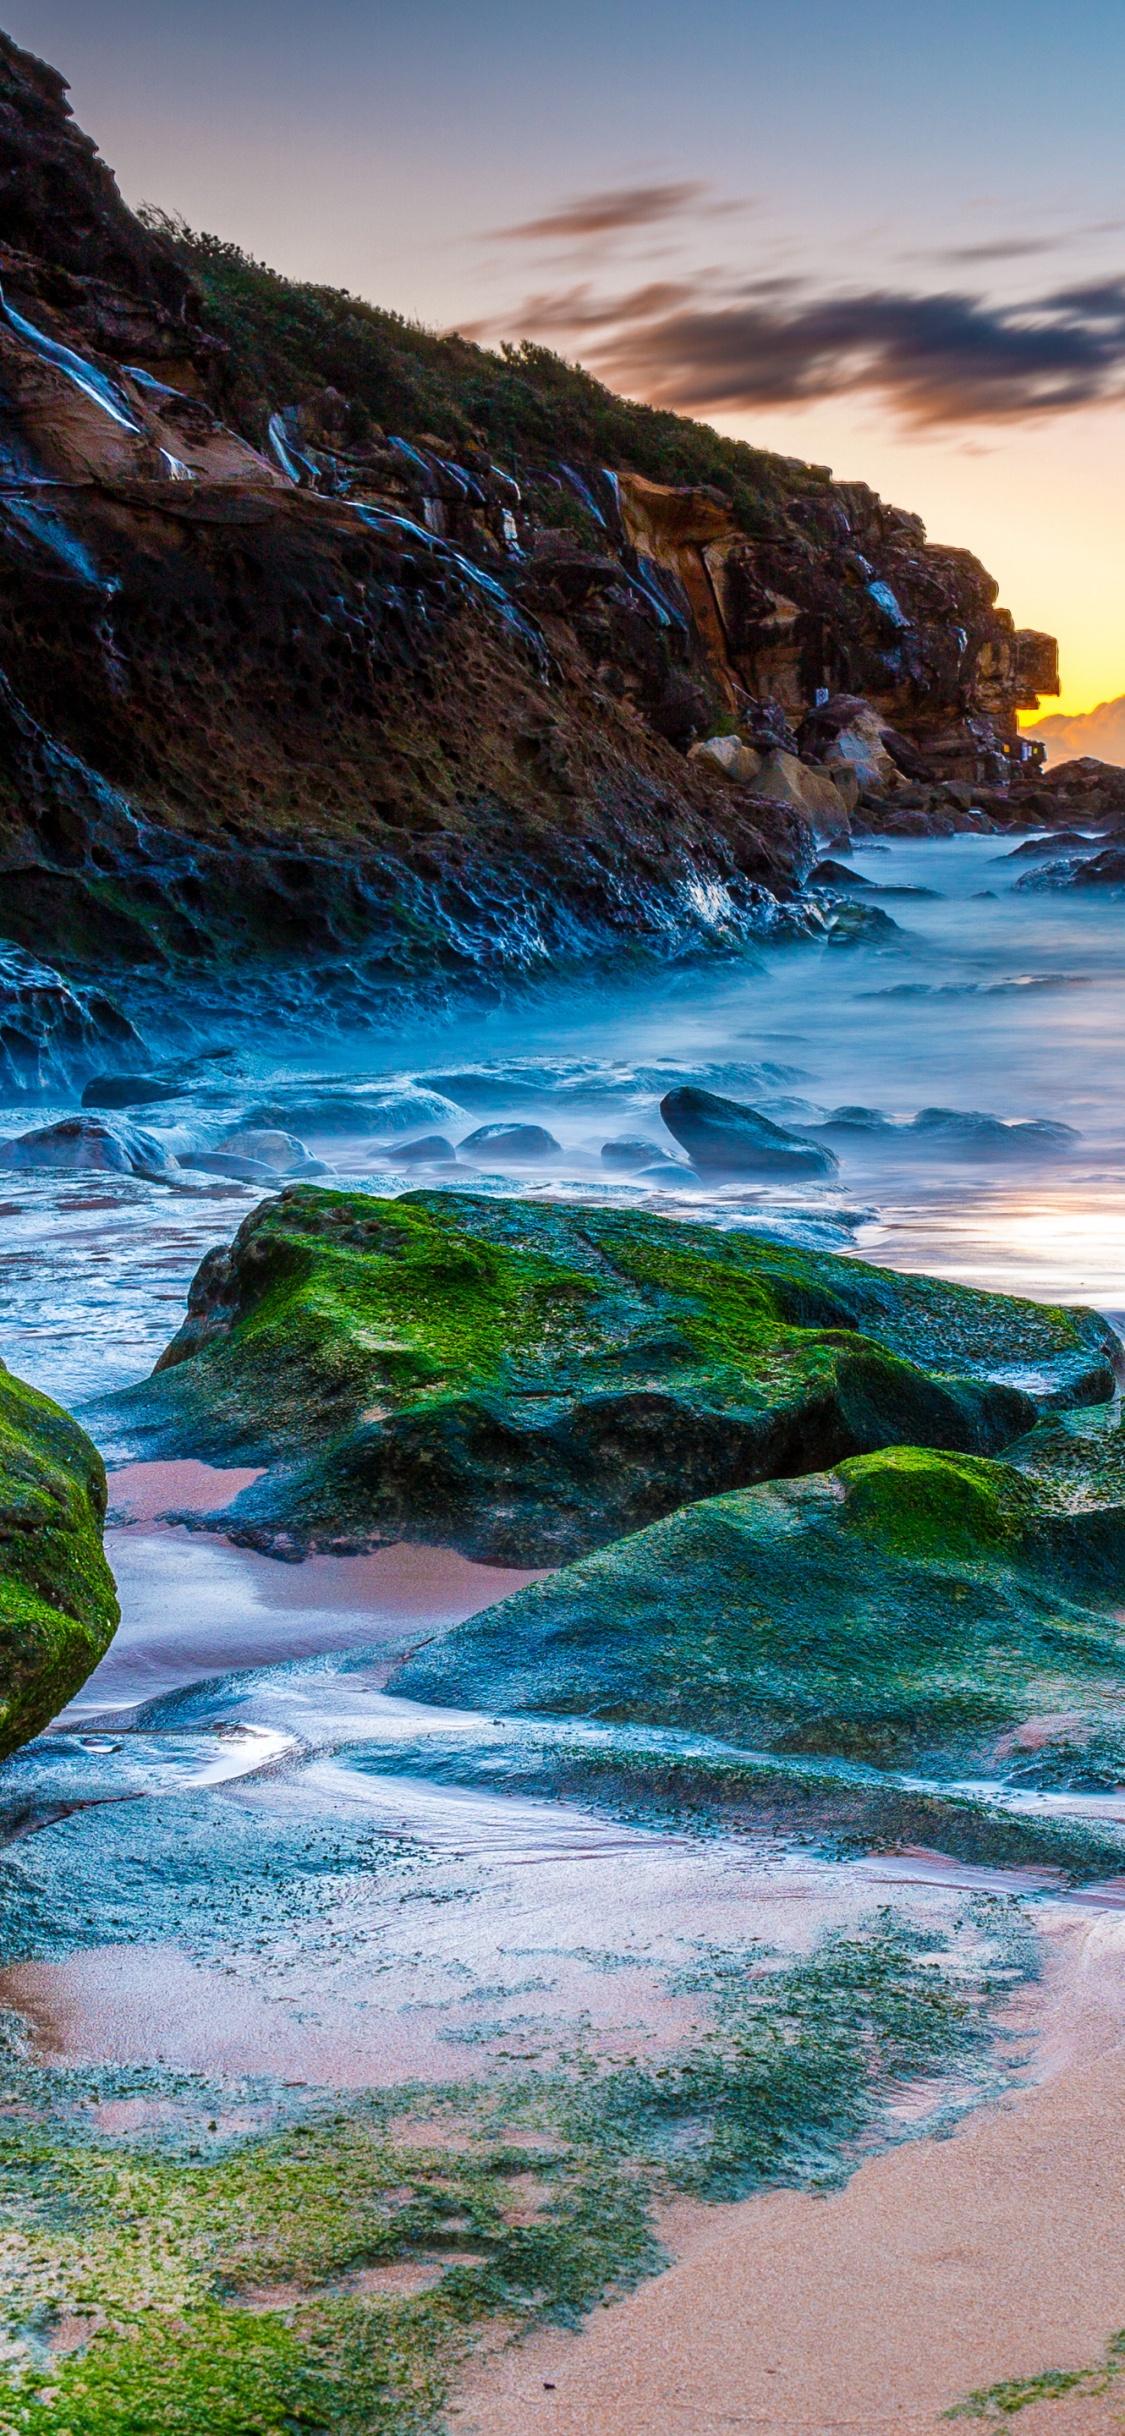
<point>1054,1247</point>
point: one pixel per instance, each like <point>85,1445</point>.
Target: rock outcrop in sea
<point>336,650</point>
<point>527,1381</point>
<point>908,1608</point>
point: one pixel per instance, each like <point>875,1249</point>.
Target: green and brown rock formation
<point>907,1608</point>
<point>530,1381</point>
<point>58,1606</point>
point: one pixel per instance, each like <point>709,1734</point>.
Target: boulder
<point>783,779</point>
<point>830,874</point>
<point>848,783</point>
<point>859,748</point>
<point>859,1123</point>
<point>510,1143</point>
<point>279,1152</point>
<point>972,1134</point>
<point>907,1607</point>
<point>862,926</point>
<point>129,1091</point>
<point>667,1171</point>
<point>1039,849</point>
<point>629,1151</point>
<point>730,758</point>
<point>430,1149</point>
<point>228,1163</point>
<point>724,1138</point>
<point>527,1380</point>
<point>115,1148</point>
<point>58,1606</point>
<point>1103,870</point>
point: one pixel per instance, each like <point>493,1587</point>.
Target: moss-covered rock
<point>532,1380</point>
<point>908,1606</point>
<point>58,1606</point>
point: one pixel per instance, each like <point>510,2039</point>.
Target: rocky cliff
<point>332,645</point>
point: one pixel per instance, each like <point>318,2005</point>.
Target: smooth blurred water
<point>988,997</point>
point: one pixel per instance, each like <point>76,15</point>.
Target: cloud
<point>948,358</point>
<point>1017,249</point>
<point>998,249</point>
<point>612,213</point>
<point>573,311</point>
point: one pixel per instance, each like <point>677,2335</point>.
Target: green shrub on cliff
<point>288,338</point>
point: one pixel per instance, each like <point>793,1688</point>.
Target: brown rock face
<point>855,600</point>
<point>280,681</point>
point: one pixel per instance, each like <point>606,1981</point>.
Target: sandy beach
<point>942,2267</point>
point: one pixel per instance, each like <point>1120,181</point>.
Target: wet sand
<point>193,1604</point>
<point>942,2267</point>
<point>490,1928</point>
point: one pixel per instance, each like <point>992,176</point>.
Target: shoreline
<point>942,2267</point>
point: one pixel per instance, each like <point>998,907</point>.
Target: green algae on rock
<point>529,1381</point>
<point>910,1605</point>
<point>331,2275</point>
<point>58,1606</point>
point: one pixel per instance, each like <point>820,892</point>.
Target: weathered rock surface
<point>113,1147</point>
<point>528,1381</point>
<point>724,1138</point>
<point>130,1091</point>
<point>971,1133</point>
<point>375,705</point>
<point>372,1110</point>
<point>908,1606</point>
<point>58,1606</point>
<point>510,1142</point>
<point>50,1032</point>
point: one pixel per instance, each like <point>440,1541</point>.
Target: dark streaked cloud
<point>947,358</point>
<point>612,213</point>
<point>998,249</point>
<point>1019,249</point>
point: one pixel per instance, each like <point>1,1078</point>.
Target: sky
<point>889,238</point>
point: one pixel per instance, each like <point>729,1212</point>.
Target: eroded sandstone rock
<point>376,702</point>
<point>52,1033</point>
